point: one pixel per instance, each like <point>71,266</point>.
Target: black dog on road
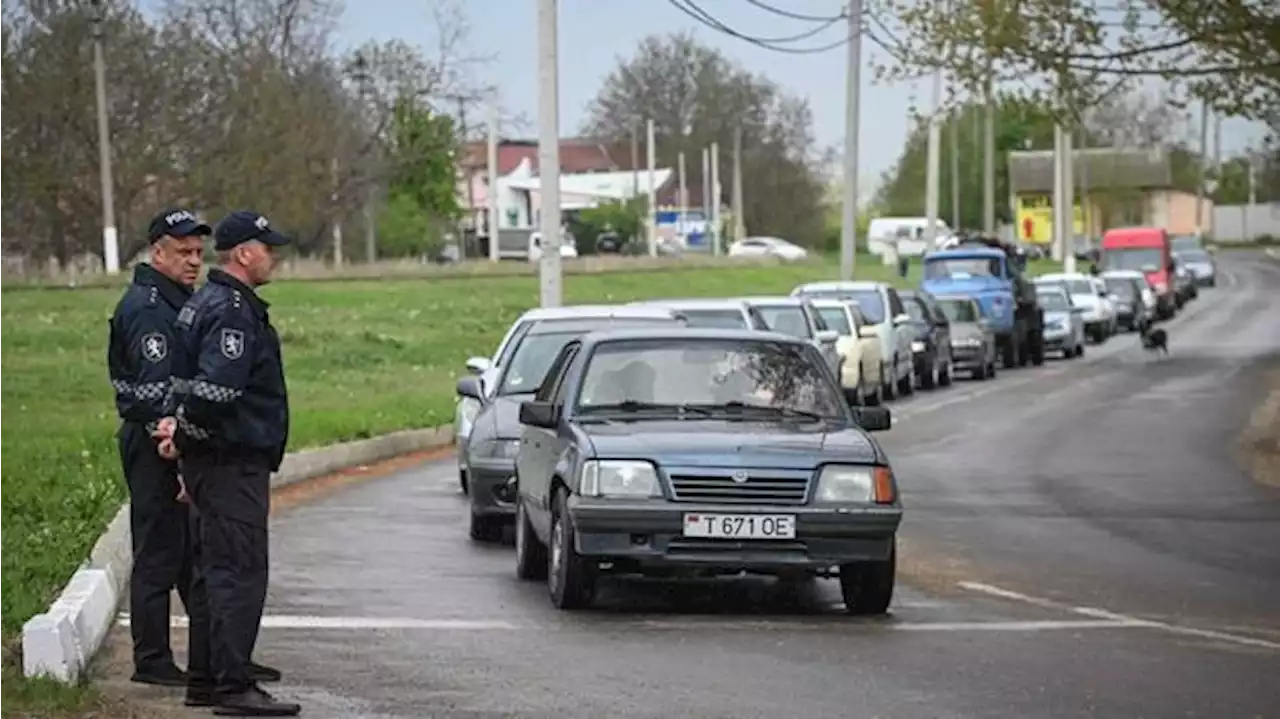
<point>1154,339</point>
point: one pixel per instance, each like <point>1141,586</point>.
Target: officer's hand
<point>182,491</point>
<point>165,428</point>
<point>167,448</point>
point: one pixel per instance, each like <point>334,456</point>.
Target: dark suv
<point>931,342</point>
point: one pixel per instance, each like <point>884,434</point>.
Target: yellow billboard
<point>1035,219</point>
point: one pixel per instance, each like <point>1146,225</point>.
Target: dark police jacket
<point>140,348</point>
<point>229,393</point>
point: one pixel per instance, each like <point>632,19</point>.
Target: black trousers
<point>162,557</point>
<point>230,587</point>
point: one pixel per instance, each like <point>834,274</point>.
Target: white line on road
<point>1118,619</point>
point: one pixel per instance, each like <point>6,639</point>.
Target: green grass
<point>362,358</point>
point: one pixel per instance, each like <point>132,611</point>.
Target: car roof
<point>592,311</point>
<point>967,252</point>
<point>589,324</point>
<point>775,300</point>
<point>1059,276</point>
<point>1052,290</point>
<point>694,303</point>
<point>837,285</point>
<point>1128,274</point>
<point>680,333</point>
<point>829,302</point>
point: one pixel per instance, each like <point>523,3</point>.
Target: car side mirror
<point>867,332</point>
<point>479,365</point>
<point>827,336</point>
<point>538,414</point>
<point>470,387</point>
<point>872,419</point>
<point>901,319</point>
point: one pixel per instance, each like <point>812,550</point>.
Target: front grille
<point>763,486</point>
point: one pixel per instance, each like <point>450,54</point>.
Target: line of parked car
<point>729,435</point>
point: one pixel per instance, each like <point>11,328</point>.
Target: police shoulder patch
<point>155,346</point>
<point>232,343</point>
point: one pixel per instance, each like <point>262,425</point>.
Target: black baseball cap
<point>176,222</point>
<point>242,226</point>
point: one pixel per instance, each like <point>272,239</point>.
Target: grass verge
<point>363,357</point>
<point>1259,443</point>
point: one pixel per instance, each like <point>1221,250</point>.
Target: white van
<point>568,246</point>
<point>902,236</point>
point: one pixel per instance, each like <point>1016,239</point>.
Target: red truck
<point>1148,250</point>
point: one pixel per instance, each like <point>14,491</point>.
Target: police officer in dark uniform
<point>138,358</point>
<point>229,425</point>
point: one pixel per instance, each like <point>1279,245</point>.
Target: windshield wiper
<point>785,412</point>
<point>632,405</point>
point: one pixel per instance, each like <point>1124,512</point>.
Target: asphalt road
<point>1078,543</point>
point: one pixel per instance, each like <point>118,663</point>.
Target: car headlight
<point>917,346</point>
<point>496,449</point>
<point>855,484</point>
<point>619,478</point>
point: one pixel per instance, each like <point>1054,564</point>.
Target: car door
<point>941,325</point>
<point>868,347</point>
<point>536,457</point>
<point>828,346</point>
<point>899,332</point>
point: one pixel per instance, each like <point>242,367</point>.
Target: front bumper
<point>650,534</point>
<point>1057,341</point>
<point>968,357</point>
<point>491,487</point>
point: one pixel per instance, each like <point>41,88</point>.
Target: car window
<point>736,375</point>
<point>959,310</point>
<point>531,360</point>
<point>895,303</point>
<point>510,346</point>
<point>555,374</point>
<point>819,324</point>
<point>570,364</point>
<point>1121,286</point>
<point>1080,287</point>
<point>836,319</point>
<point>786,319</point>
<point>961,267</point>
<point>915,308</point>
<point>757,319</point>
<point>729,318</point>
<point>1054,302</point>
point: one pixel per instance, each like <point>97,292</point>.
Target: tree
<point>696,96</point>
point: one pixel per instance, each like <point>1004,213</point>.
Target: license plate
<point>740,526</point>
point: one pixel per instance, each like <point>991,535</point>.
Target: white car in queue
<point>712,312</point>
<point>487,369</point>
<point>796,316</point>
<point>883,308</point>
<point>859,347</point>
<point>1091,293</point>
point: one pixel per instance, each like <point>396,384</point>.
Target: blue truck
<point>992,273</point>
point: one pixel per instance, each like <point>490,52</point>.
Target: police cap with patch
<point>242,226</point>
<point>176,222</point>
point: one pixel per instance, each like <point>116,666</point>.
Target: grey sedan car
<point>746,459</point>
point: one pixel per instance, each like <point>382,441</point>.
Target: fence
<point>1246,223</point>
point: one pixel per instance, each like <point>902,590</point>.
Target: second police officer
<point>229,425</point>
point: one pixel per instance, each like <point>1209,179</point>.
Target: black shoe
<point>263,673</point>
<point>164,676</point>
<point>253,703</point>
<point>199,695</point>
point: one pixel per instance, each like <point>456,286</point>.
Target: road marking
<point>1117,618</point>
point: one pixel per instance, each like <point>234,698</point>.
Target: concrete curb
<point>61,641</point>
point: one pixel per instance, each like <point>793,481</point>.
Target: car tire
<point>929,378</point>
<point>867,587</point>
<point>944,374</point>
<point>531,553</point>
<point>991,370</point>
<point>906,387</point>
<point>485,528</point>
<point>888,385</point>
<point>571,579</point>
<point>464,482</point>
<point>856,397</point>
<point>978,373</point>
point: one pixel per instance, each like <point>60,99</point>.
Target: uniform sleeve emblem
<point>155,347</point>
<point>232,343</point>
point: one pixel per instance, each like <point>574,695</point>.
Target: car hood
<point>964,285</point>
<point>1058,317</point>
<point>1089,301</point>
<point>700,443</point>
<point>966,331</point>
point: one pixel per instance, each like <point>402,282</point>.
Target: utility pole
<point>853,89</point>
<point>1057,245</point>
<point>493,196</point>
<point>110,241</point>
<point>1068,200</point>
<point>739,222</point>
<point>549,278</point>
<point>706,195</point>
<point>337,221</point>
<point>635,161</point>
<point>715,197</point>
<point>361,75</point>
<point>989,159</point>
<point>1217,164</point>
<point>1085,206</point>
<point>653,189</point>
<point>1201,166</point>
<point>683,201</point>
<point>932,169</point>
<point>953,128</point>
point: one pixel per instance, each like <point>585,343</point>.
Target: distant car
<point>1182,243</point>
<point>973,341</point>
<point>746,459</point>
<point>775,247</point>
<point>1064,327</point>
<point>487,369</point>
<point>568,246</point>
<point>1201,264</point>
<point>712,312</point>
<point>1184,282</point>
<point>884,310</point>
<point>797,317</point>
<point>1091,294</point>
<point>1135,303</point>
<point>931,346</point>
<point>861,368</point>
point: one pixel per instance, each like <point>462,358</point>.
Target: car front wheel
<point>571,579</point>
<point>531,553</point>
<point>867,587</point>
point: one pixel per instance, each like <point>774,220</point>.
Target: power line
<point>795,15</point>
<point>691,8</point>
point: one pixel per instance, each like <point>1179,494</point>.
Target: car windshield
<point>754,378</point>
<point>961,267</point>
<point>1053,302</point>
<point>914,309</point>
<point>787,319</point>
<point>1131,258</point>
<point>959,310</point>
<point>836,319</point>
<point>533,353</point>
<point>728,318</point>
<point>1121,286</point>
<point>1193,256</point>
<point>1185,242</point>
<point>1079,287</point>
